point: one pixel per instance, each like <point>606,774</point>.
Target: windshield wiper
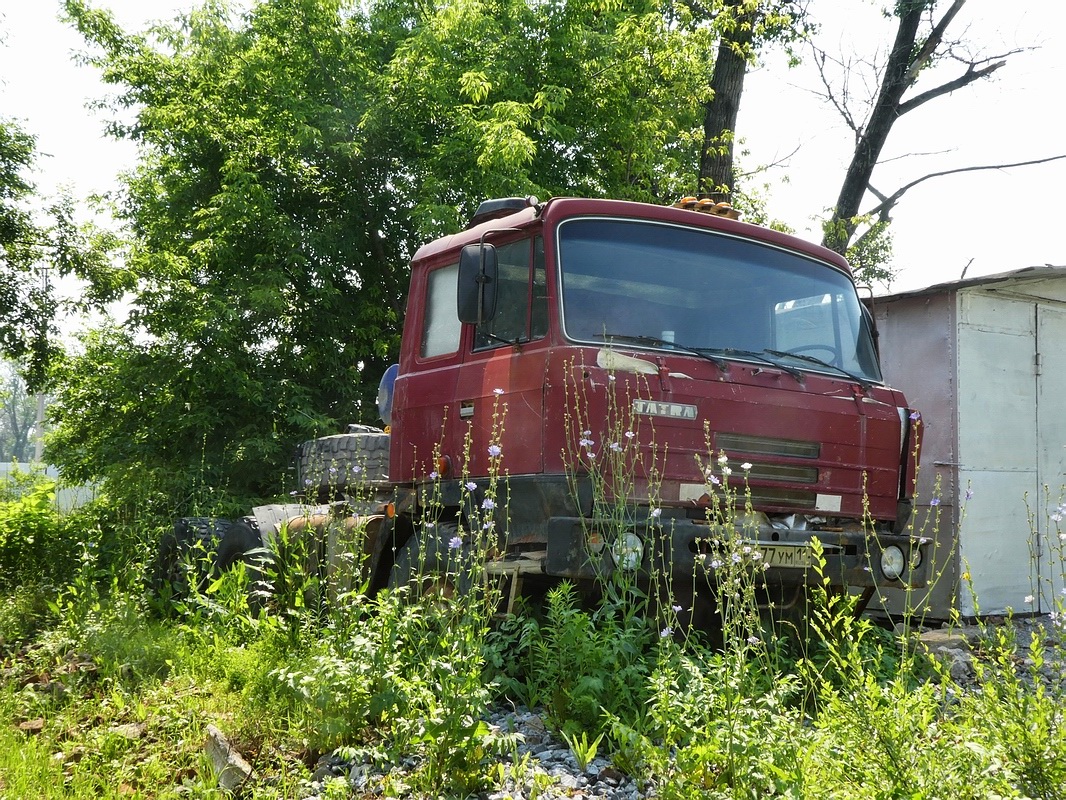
<point>666,344</point>
<point>863,382</point>
<point>732,352</point>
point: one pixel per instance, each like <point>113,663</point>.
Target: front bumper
<point>587,548</point>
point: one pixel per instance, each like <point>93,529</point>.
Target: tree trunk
<point>720,112</point>
<point>898,77</point>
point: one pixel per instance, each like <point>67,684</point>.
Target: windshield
<point>653,285</point>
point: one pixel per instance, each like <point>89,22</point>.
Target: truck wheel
<point>344,462</point>
<point>243,542</point>
<point>185,555</point>
<point>429,564</point>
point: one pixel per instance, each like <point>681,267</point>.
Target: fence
<point>67,497</point>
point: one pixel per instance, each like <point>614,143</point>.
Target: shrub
<point>34,545</point>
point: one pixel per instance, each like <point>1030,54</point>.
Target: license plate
<point>796,556</point>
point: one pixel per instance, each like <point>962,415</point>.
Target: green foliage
<point>1016,714</point>
<point>269,263</point>
<point>870,254</point>
<point>21,480</point>
<point>291,161</point>
<point>28,309</point>
<point>719,726</point>
<point>582,666</point>
<point>38,234</point>
<point>34,543</point>
<point>868,243</point>
<point>909,747</point>
<point>24,613</point>
<point>389,679</point>
<point>584,750</point>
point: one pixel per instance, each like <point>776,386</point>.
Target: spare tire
<point>343,463</point>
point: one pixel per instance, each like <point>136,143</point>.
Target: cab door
<point>500,388</point>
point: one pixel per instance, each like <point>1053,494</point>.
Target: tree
<point>920,43</point>
<point>743,26</point>
<point>291,161</point>
<point>18,415</point>
<point>268,259</point>
<point>23,293</point>
<point>38,236</point>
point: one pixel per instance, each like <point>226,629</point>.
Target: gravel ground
<point>546,768</point>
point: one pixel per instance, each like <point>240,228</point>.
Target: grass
<point>99,697</point>
<point>125,705</point>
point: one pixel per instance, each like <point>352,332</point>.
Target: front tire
<point>431,564</point>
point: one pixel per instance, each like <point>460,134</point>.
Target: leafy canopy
<point>291,160</point>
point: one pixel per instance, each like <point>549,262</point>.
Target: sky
<point>981,222</point>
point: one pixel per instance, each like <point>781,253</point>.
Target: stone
<point>32,726</point>
<point>233,771</point>
<point>132,731</point>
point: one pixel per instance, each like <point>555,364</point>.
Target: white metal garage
<point>984,360</point>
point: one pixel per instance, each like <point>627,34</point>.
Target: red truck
<point>548,338</point>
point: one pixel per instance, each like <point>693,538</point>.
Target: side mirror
<point>478,273</point>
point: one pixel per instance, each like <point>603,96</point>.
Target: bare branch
<point>884,208</point>
<point>933,41</point>
<point>879,195</point>
<point>777,162</point>
<point>841,103</point>
<point>971,75</point>
<point>916,154</point>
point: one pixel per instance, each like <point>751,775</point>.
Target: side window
<point>521,297</point>
<point>441,328</point>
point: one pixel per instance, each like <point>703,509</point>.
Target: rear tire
<point>185,555</point>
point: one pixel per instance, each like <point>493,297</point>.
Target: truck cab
<point>621,372</point>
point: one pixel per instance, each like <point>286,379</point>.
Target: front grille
<point>762,496</point>
<point>764,445</point>
<point>783,472</point>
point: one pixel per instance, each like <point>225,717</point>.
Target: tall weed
<point>584,667</point>
<point>719,726</point>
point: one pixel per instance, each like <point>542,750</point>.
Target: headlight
<point>628,551</point>
<point>892,562</point>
